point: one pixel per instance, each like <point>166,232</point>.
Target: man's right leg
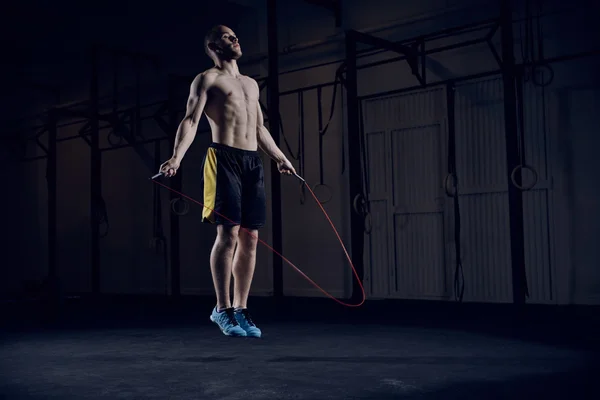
<point>222,190</point>
<point>221,259</point>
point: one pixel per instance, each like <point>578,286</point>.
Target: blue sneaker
<point>227,322</point>
<point>245,320</point>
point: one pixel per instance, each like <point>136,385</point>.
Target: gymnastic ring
<point>537,67</point>
<point>454,184</point>
<point>359,201</point>
<point>113,142</point>
<point>314,189</point>
<point>368,223</point>
<point>186,206</point>
<point>524,167</point>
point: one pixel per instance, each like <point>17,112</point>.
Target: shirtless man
<point>232,173</point>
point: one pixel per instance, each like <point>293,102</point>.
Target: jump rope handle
<point>299,177</point>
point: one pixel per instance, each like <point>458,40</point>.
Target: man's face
<point>227,46</point>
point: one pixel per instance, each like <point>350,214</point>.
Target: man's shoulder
<point>208,75</point>
<point>250,79</point>
<point>203,80</point>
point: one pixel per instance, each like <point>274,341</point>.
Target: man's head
<point>220,43</point>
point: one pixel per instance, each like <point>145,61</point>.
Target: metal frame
<point>92,119</point>
<point>273,113</point>
<point>51,172</point>
<point>515,196</point>
<point>177,182</point>
<point>354,164</point>
<point>509,70</point>
<point>96,173</point>
<point>413,50</point>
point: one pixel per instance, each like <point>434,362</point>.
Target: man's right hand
<point>169,168</point>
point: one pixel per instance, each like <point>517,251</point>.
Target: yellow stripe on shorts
<point>210,185</point>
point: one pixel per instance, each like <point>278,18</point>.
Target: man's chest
<point>235,89</point>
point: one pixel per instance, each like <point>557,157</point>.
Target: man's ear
<point>213,47</point>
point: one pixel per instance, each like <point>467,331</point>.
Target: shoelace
<point>231,317</point>
<point>246,315</point>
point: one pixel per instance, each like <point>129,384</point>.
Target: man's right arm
<point>186,132</point>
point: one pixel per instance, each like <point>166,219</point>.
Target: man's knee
<point>248,240</point>
<point>227,235</point>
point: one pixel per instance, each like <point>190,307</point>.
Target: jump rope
<point>153,179</point>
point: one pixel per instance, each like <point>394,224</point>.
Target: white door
<point>406,144</point>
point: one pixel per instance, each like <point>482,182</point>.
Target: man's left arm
<point>267,144</point>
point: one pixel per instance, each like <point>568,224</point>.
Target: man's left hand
<point>286,167</point>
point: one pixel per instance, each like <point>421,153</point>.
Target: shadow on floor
<point>573,327</point>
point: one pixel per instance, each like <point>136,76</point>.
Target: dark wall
<point>47,44</point>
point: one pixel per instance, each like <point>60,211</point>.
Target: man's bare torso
<point>232,109</point>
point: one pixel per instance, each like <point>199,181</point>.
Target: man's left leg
<point>244,262</point>
<point>253,218</point>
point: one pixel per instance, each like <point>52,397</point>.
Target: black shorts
<point>233,183</point>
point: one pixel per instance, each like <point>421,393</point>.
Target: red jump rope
<point>280,255</point>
